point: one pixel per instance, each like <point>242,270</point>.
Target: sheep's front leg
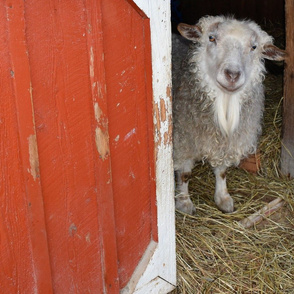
<point>222,198</point>
<point>182,198</point>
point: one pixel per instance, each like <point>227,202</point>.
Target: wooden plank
<point>102,156</point>
<point>287,153</point>
<point>62,48</point>
<point>24,250</point>
<point>128,72</point>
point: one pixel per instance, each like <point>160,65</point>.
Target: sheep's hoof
<point>225,203</point>
<point>184,204</point>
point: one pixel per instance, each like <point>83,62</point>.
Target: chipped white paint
<point>129,134</point>
<point>159,275</point>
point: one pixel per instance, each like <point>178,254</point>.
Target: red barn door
<point>78,178</point>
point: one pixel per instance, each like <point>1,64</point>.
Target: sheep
<point>218,99</point>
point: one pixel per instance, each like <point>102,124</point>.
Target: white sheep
<point>218,99</point>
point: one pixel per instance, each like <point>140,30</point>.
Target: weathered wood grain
<point>24,254</point>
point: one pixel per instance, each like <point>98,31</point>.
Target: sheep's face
<point>230,53</point>
<point>231,50</point>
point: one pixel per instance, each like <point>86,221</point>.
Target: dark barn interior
<point>262,11</point>
<point>215,254</point>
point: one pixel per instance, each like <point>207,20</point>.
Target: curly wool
<point>197,136</point>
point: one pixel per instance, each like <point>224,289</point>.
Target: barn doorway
<point>214,252</point>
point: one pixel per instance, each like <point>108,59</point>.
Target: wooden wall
<point>287,155</point>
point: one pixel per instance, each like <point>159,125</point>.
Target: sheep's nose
<point>232,75</point>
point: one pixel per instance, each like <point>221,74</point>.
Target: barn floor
<point>215,254</point>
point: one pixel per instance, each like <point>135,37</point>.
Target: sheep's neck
<point>227,113</point>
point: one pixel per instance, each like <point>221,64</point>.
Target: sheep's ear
<point>190,32</point>
<point>272,52</point>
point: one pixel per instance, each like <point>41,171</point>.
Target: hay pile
<point>215,254</point>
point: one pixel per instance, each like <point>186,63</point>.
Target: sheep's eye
<point>211,38</point>
<point>253,48</point>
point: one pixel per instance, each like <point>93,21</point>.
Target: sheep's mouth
<point>230,87</point>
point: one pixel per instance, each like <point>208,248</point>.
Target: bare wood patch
<point>98,112</point>
<point>34,157</point>
<point>168,91</point>
<point>162,110</point>
<point>102,143</point>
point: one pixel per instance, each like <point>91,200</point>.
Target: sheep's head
<point>231,50</point>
